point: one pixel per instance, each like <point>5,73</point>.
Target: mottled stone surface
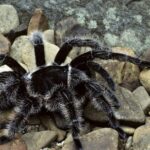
<point>8,18</point>
<point>116,22</point>
<point>104,139</point>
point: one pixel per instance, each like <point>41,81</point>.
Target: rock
<point>104,139</point>
<point>124,72</point>
<point>4,45</point>
<point>37,140</point>
<point>8,18</point>
<point>129,143</point>
<point>128,130</point>
<point>23,51</point>
<point>50,125</point>
<point>141,138</point>
<point>17,144</point>
<point>145,79</point>
<point>49,36</point>
<point>38,21</point>
<point>130,111</point>
<point>142,97</point>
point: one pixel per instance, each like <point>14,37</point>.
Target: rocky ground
<point>133,85</point>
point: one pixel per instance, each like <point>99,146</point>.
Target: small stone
<point>37,140</point>
<point>142,97</point>
<point>4,45</point>
<point>145,79</point>
<point>17,144</point>
<point>129,111</point>
<point>50,125</point>
<point>8,18</point>
<point>129,143</point>
<point>141,138</point>
<point>128,130</point>
<point>49,36</point>
<point>104,139</point>
<point>38,21</point>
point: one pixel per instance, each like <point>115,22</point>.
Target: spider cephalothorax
<point>62,89</point>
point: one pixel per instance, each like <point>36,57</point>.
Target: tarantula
<point>64,89</point>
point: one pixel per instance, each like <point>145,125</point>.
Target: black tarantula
<point>60,88</point>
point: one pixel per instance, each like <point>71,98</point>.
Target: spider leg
<point>12,63</point>
<point>98,68</point>
<point>89,56</point>
<point>100,99</point>
<point>68,45</point>
<point>98,103</point>
<point>22,112</point>
<point>63,98</point>
<point>37,40</point>
<point>97,89</point>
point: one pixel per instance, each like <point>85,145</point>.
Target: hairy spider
<point>64,89</point>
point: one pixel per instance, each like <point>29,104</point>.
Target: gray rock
<point>142,97</point>
<point>104,139</point>
<point>116,17</point>
<point>8,18</point>
<point>141,138</point>
<point>130,111</point>
<point>37,140</point>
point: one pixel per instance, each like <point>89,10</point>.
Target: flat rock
<point>130,111</point>
<point>17,144</point>
<point>103,139</point>
<point>23,51</point>
<point>145,79</point>
<point>37,140</point>
<point>38,22</point>
<point>4,45</point>
<point>8,18</point>
<point>142,97</point>
<point>141,138</point>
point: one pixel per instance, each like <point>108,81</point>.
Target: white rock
<point>8,18</point>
